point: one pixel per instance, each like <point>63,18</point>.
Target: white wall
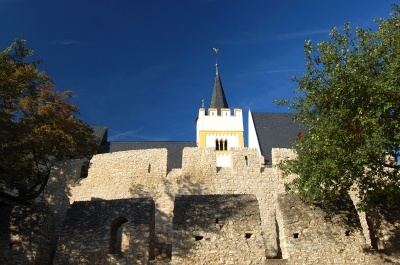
<point>252,135</point>
<point>223,160</point>
<point>224,122</point>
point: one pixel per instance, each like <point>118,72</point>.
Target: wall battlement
<point>225,112</point>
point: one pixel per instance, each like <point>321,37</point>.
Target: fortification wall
<point>64,176</point>
<point>309,236</point>
<point>29,236</point>
<point>143,173</point>
<point>217,229</point>
<point>107,232</point>
<point>280,154</point>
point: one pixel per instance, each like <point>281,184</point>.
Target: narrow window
<point>115,243</point>
<point>149,168</point>
<point>216,144</point>
<point>226,145</point>
<point>221,145</point>
<point>247,161</point>
<point>84,170</point>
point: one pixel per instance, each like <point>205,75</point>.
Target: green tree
<point>349,99</point>
<point>37,125</point>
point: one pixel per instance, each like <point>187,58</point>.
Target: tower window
<point>221,145</point>
<point>247,161</point>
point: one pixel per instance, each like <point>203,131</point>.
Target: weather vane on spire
<point>216,59</point>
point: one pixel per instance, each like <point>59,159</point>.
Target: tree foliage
<point>37,125</point>
<point>349,99</point>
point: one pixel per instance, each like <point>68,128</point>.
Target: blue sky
<point>142,68</point>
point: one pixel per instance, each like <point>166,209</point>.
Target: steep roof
<point>275,130</point>
<point>175,149</point>
<point>101,133</point>
<point>218,99</point>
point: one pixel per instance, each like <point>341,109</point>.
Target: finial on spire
<point>202,103</point>
<point>216,60</point>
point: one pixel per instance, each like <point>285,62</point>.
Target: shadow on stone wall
<point>30,234</point>
<point>217,228</point>
<point>107,232</point>
<point>164,197</point>
<point>65,175</point>
<point>384,228</point>
<point>331,237</point>
<point>160,249</point>
<point>5,233</point>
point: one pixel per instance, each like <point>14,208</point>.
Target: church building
<point>209,201</point>
<point>218,127</point>
<point>222,128</point>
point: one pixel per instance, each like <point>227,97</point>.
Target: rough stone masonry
<point>98,213</point>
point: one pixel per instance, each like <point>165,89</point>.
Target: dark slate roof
<point>101,133</point>
<point>174,149</point>
<point>275,130</point>
<point>218,99</point>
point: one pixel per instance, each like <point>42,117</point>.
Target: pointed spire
<point>218,99</point>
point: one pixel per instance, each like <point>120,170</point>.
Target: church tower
<point>219,128</point>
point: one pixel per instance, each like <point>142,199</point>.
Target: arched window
<point>116,237</point>
<point>216,144</point>
<point>221,144</point>
<point>226,145</point>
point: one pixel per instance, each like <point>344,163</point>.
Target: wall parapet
<point>280,154</point>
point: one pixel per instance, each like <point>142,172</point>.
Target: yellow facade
<point>202,137</point>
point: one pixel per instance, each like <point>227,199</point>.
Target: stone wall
<point>200,161</point>
<point>309,236</point>
<point>64,176</point>
<point>107,232</point>
<point>217,229</point>
<point>245,161</point>
<point>143,173</point>
<point>126,175</point>
<point>30,234</point>
<point>280,154</point>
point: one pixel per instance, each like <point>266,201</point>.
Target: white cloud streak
<point>128,135</point>
<point>135,134</point>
